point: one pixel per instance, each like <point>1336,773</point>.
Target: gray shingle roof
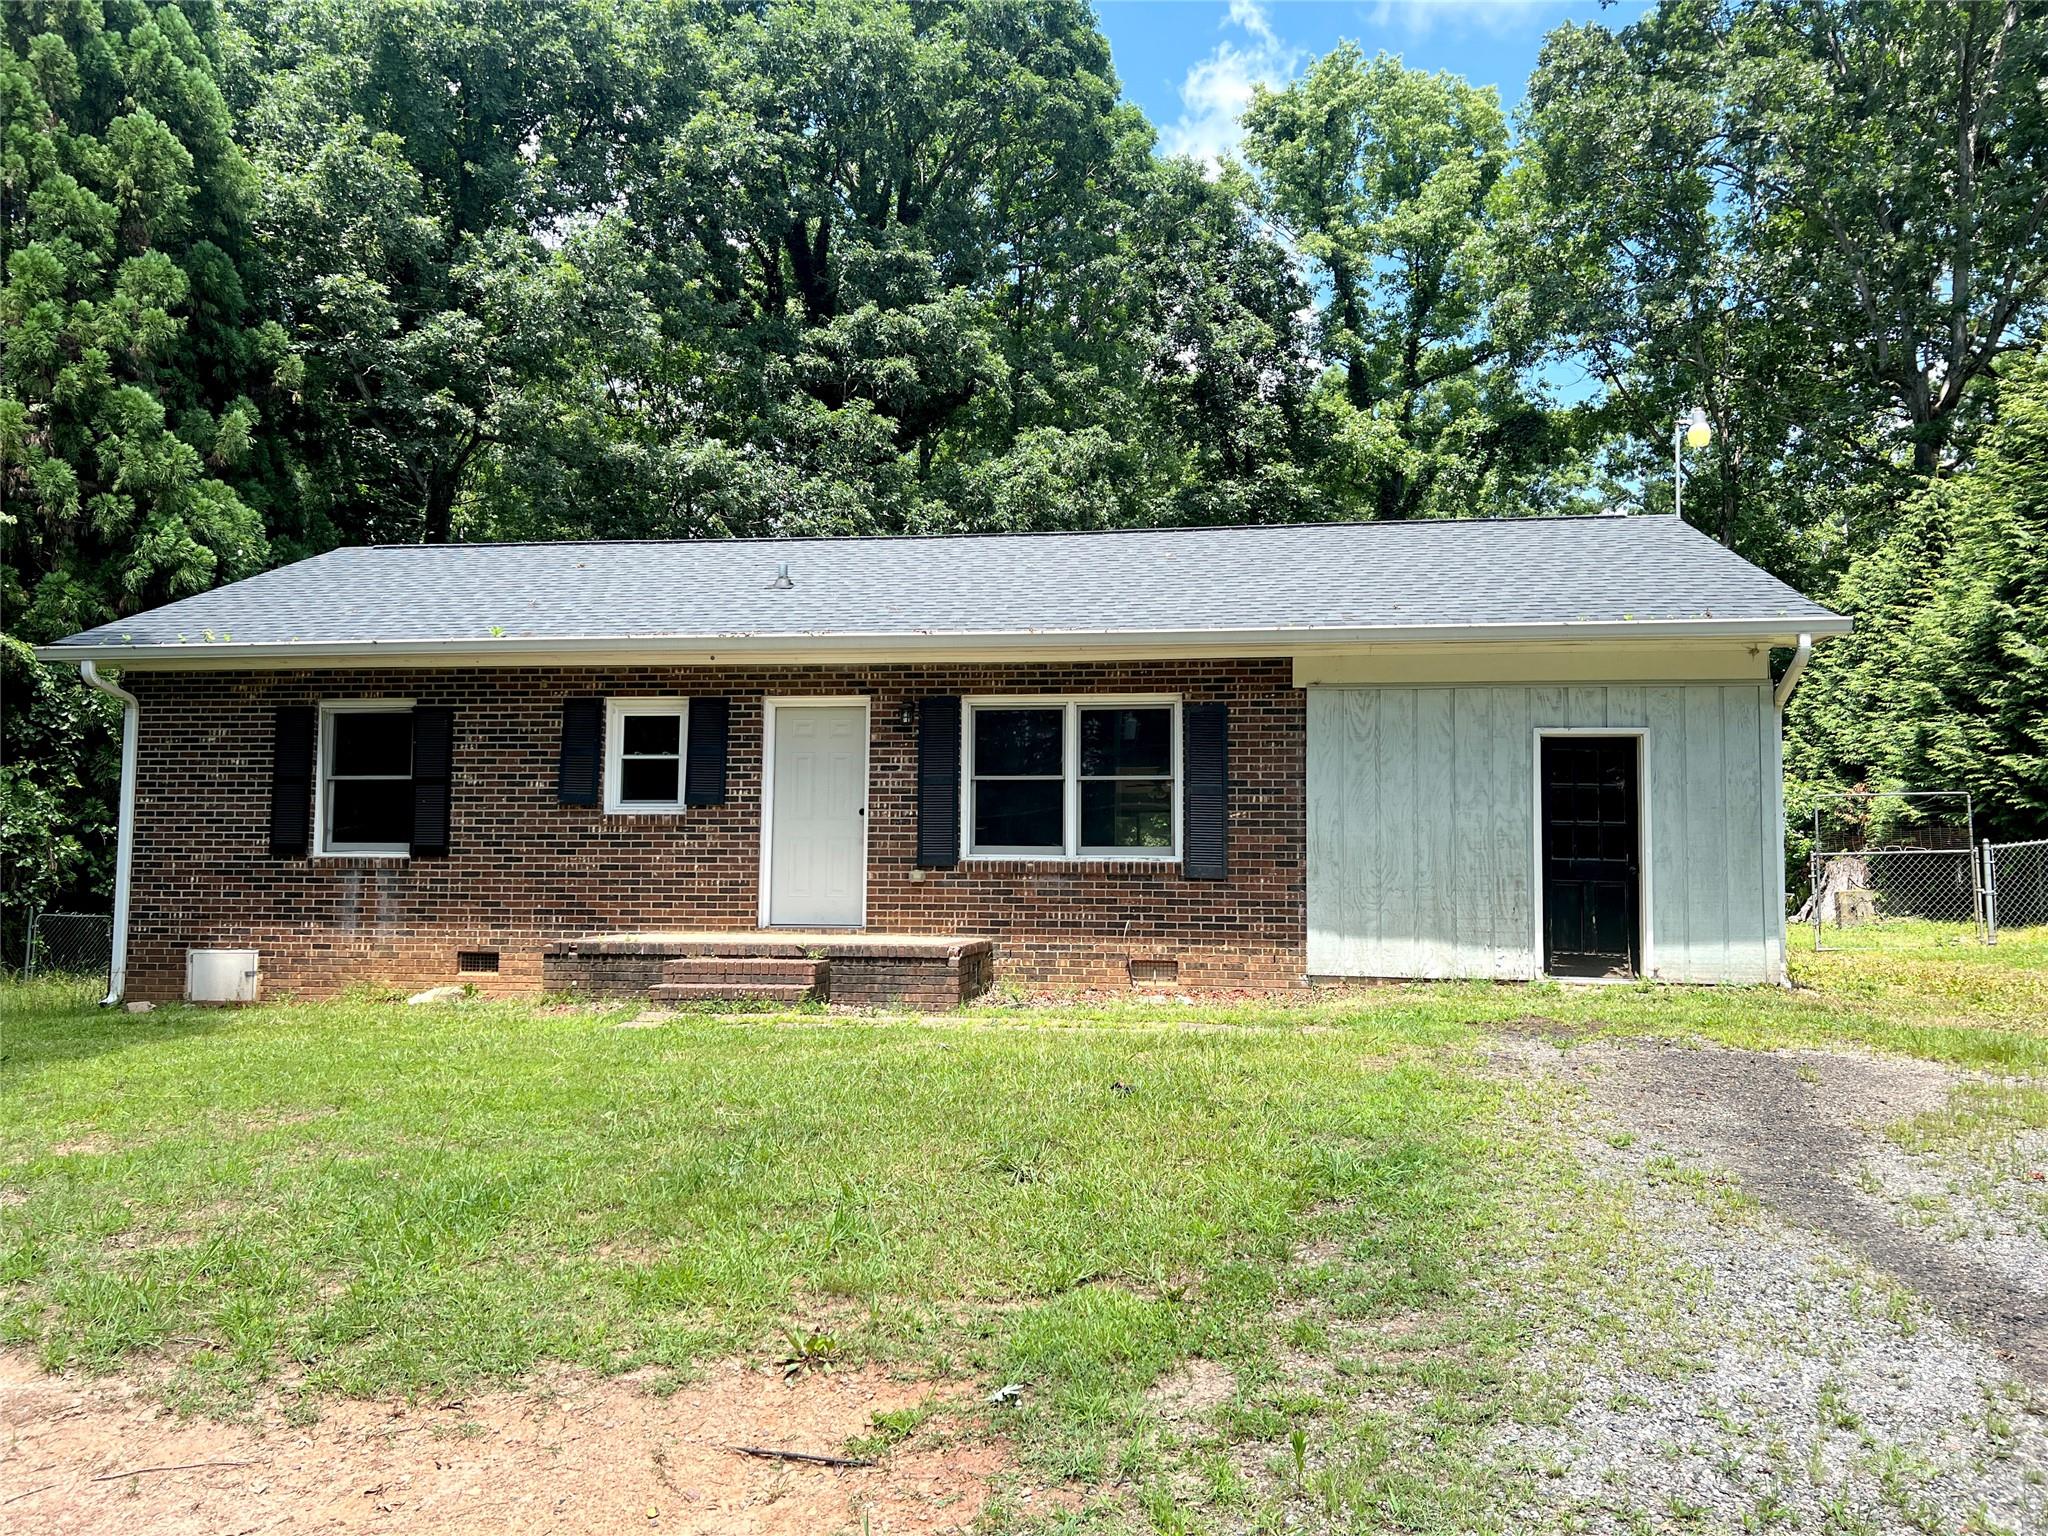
<point>1399,580</point>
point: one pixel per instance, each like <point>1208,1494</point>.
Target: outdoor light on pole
<point>1692,431</point>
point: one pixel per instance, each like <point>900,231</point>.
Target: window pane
<point>1126,813</point>
<point>1017,813</point>
<point>370,811</point>
<point>651,733</point>
<point>1126,741</point>
<point>372,741</point>
<point>1018,741</point>
<point>648,779</point>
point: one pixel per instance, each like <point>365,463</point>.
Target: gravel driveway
<point>1790,1343</point>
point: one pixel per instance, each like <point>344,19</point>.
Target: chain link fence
<point>79,944</point>
<point>1893,866</point>
<point>2015,886</point>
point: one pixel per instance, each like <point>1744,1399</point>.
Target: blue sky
<point>1191,64</point>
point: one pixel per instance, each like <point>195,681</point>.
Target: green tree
<point>1390,181</point>
<point>137,363</point>
<point>135,383</point>
<point>1944,685</point>
<point>416,161</point>
<point>1820,223</point>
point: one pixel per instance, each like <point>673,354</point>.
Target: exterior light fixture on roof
<point>781,583</point>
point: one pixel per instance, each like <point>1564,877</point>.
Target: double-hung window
<point>1073,778</point>
<point>366,802</point>
<point>644,754</point>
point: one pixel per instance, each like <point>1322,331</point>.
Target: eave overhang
<point>772,649</point>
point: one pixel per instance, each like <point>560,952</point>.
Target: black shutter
<point>938,783</point>
<point>433,761</point>
<point>1206,794</point>
<point>704,772</point>
<point>576,779</point>
<point>291,782</point>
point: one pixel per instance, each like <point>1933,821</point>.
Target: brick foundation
<point>525,873</point>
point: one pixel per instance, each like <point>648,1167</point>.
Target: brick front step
<point>731,992</point>
<point>746,969</point>
<point>757,978</point>
<point>862,970</point>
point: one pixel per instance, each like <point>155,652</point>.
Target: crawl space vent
<point>1154,972</point>
<point>476,962</point>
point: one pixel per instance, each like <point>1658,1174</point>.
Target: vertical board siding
<point>1421,827</point>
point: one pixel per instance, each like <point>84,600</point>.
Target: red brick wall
<point>524,869</point>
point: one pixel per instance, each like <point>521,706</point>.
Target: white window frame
<point>616,712</point>
<point>323,755</point>
<point>1070,850</point>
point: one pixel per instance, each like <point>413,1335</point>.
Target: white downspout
<point>1789,683</point>
<point>124,842</point>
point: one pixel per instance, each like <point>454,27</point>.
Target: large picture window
<point>644,754</point>
<point>366,778</point>
<point>1073,778</point>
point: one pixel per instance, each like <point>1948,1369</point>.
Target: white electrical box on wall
<point>220,975</point>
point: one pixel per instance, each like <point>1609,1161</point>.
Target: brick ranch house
<point>888,768</point>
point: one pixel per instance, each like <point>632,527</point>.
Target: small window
<point>1066,778</point>
<point>366,778</point>
<point>644,748</point>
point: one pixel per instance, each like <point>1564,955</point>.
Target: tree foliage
<point>1945,682</point>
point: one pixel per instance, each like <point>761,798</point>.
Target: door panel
<point>1592,856</point>
<point>817,856</point>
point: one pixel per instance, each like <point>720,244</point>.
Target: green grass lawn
<point>368,1198</point>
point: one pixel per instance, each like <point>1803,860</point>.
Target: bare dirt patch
<point>1192,1393</point>
<point>576,1454</point>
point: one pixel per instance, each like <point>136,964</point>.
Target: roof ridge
<point>1602,519</point>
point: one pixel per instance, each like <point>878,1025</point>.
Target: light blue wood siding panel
<point>1474,891</point>
<point>1330,833</point>
<point>1511,795</point>
<point>1670,955</point>
<point>1368,799</point>
<point>1747,957</point>
<point>1436,824</point>
<point>1422,830</point>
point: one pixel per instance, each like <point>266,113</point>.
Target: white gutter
<point>1794,669</point>
<point>508,650</point>
<point>124,841</point>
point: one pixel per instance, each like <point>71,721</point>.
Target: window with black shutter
<point>1206,841</point>
<point>291,781</point>
<point>938,782</point>
<point>433,763</point>
<point>1091,777</point>
<point>366,778</point>
<point>704,759</point>
<point>579,779</point>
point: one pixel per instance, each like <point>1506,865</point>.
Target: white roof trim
<point>511,650</point>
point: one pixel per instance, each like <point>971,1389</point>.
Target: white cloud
<point>1418,18</point>
<point>1218,88</point>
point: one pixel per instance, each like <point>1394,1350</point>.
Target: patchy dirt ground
<point>574,1454</point>
<point>1792,1345</point>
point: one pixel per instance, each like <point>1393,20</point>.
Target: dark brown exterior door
<point>1592,863</point>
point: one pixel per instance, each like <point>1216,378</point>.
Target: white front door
<point>817,815</point>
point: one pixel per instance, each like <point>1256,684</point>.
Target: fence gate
<point>1894,866</point>
<point>2015,881</point>
<point>70,944</point>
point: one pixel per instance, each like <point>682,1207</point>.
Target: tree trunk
<point>1843,895</point>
